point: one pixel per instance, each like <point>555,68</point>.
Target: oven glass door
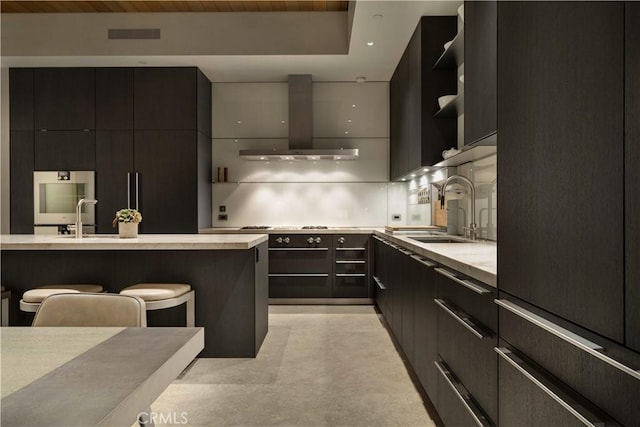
<point>55,199</point>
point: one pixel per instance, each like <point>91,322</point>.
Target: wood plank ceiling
<point>77,6</point>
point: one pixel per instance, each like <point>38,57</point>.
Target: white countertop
<point>142,242</point>
<point>289,230</point>
<point>478,260</point>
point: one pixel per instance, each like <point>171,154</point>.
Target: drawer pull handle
<point>463,395</point>
<point>566,335</point>
<point>426,262</point>
<point>463,320</point>
<point>298,249</point>
<point>355,261</point>
<point>299,275</point>
<point>404,251</point>
<point>566,401</point>
<point>379,283</point>
<point>350,275</point>
<point>466,283</point>
<point>351,249</point>
<point>378,239</point>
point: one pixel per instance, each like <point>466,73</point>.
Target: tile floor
<point>318,366</point>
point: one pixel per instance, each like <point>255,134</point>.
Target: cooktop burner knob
<point>310,240</point>
<point>318,240</point>
<point>279,240</point>
<point>287,240</point>
<point>341,240</point>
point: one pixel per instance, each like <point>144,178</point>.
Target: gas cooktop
<point>284,227</point>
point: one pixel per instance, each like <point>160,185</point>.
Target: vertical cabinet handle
<point>553,391</point>
<point>137,191</point>
<point>128,190</point>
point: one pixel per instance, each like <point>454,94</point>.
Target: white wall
<point>350,193</point>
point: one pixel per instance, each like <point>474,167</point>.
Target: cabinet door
<point>632,174</point>
<point>64,98</point>
<point>394,126</point>
<point>413,101</point>
<point>114,98</point>
<point>425,327</point>
<point>21,182</point>
<point>21,98</point>
<point>481,69</point>
<point>114,163</point>
<point>410,277</point>
<point>65,150</point>
<point>404,116</point>
<point>165,98</point>
<point>560,117</point>
<point>167,191</point>
<point>396,283</point>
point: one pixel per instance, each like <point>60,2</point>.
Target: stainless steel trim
<point>566,401</point>
<point>378,239</point>
<point>137,191</point>
<point>322,301</point>
<point>340,261</point>
<point>42,178</point>
<point>471,407</point>
<point>128,190</point>
<point>379,283</point>
<point>462,320</point>
<point>351,249</point>
<point>298,249</point>
<point>300,275</point>
<point>404,251</point>
<point>566,335</point>
<point>350,274</point>
<point>426,262</point>
<point>466,283</point>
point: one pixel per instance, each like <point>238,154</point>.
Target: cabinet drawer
<point>598,369</point>
<point>299,261</point>
<point>344,241</point>
<point>467,346</point>
<point>349,286</point>
<point>299,286</point>
<point>456,406</point>
<point>351,267</point>
<point>530,397</point>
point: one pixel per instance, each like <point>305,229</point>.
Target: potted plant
<point>127,220</point>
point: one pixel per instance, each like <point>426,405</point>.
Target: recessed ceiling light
<point>338,158</point>
<point>263,158</point>
<point>370,43</point>
<point>346,132</point>
<point>235,140</point>
<point>353,105</point>
<point>349,120</point>
<point>239,122</point>
<point>282,122</point>
<point>404,179</point>
<point>413,175</point>
<point>361,79</point>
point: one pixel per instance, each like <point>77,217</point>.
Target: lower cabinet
<point>467,321</point>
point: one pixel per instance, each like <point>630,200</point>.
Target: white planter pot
<point>127,230</point>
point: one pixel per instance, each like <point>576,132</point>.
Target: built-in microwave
<point>56,194</point>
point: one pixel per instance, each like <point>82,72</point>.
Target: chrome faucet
<point>472,217</point>
<point>78,225</point>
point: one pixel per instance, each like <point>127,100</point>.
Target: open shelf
<point>452,109</point>
<point>453,57</point>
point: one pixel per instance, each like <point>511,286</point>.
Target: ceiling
<point>139,6</point>
<point>285,43</point>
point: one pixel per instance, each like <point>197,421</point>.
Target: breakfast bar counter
<point>229,274</point>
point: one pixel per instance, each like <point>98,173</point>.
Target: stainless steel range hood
<point>300,130</point>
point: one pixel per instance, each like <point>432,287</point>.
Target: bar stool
<point>165,295</point>
<point>32,298</point>
<point>6,295</point>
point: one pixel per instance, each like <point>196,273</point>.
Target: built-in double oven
<point>55,197</point>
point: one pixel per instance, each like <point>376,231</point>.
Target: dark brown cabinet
<point>416,137</point>
<point>632,174</point>
<point>351,266</point>
<point>481,70</point>
<point>64,98</point>
<point>21,184</point>
<point>65,150</point>
<point>21,98</point>
<point>561,117</point>
<point>114,98</point>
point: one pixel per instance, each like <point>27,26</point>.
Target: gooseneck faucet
<point>472,190</point>
<point>79,215</point>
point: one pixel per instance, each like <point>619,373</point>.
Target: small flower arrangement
<point>127,216</point>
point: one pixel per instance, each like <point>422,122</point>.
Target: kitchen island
<point>228,274</point>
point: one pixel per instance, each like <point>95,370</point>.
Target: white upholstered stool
<point>32,298</point>
<point>165,295</point>
<point>4,317</point>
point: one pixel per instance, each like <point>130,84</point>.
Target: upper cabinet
<point>114,98</point>
<point>21,98</point>
<point>64,98</point>
<point>417,137</point>
<point>480,70</point>
<point>165,98</point>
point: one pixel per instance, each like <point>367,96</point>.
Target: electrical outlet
<point>222,208</point>
<point>222,217</point>
<point>396,217</point>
